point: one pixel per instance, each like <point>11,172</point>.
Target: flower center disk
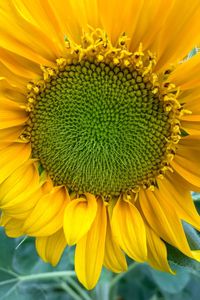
<point>99,128</point>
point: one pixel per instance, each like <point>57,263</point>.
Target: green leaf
<point>23,276</point>
<point>23,262</point>
<point>195,196</point>
<point>7,250</point>
<point>136,284</point>
<point>8,283</point>
<point>171,283</point>
<point>192,236</point>
<point>178,258</point>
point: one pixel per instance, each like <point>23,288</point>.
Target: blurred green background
<point>23,276</point>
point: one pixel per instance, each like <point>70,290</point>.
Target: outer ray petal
<point>19,65</point>
<point>43,17</point>
<point>190,126</point>
<point>83,16</point>
<point>191,122</point>
<point>152,14</point>
<point>13,157</point>
<point>164,220</point>
<point>129,230</point>
<point>12,78</point>
<point>11,114</point>
<point>175,40</point>
<point>51,248</point>
<point>12,92</point>
<point>78,218</point>
<point>188,185</point>
<point>179,198</point>
<point>114,258</point>
<point>13,227</point>
<point>21,191</point>
<point>187,159</point>
<point>186,75</point>
<point>190,98</point>
<point>69,18</point>
<point>9,135</point>
<point>30,41</point>
<point>26,176</point>
<point>157,252</point>
<point>89,254</point>
<point>24,204</point>
<point>47,216</point>
<point>137,18</point>
<point>118,17</point>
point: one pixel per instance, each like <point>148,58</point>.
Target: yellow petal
<point>69,19</point>
<point>163,220</point>
<point>41,14</point>
<point>21,190</point>
<point>12,78</point>
<point>129,230</point>
<point>174,41</point>
<point>187,159</point>
<point>89,252</point>
<point>191,123</point>
<point>145,16</point>
<point>19,65</point>
<point>12,92</point>
<point>9,135</point>
<point>47,216</point>
<point>189,142</point>
<point>13,157</point>
<point>13,227</point>
<point>114,258</point>
<point>24,179</point>
<point>30,41</point>
<point>78,218</point>
<point>191,127</point>
<point>186,75</point>
<point>11,114</point>
<point>178,196</point>
<point>157,252</point>
<point>190,98</point>
<point>51,248</point>
<point>196,254</point>
<point>24,204</point>
<point>188,185</point>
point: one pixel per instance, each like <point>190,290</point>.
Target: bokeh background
<point>24,276</point>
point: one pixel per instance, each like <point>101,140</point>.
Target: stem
<point>79,290</point>
<point>9,281</point>
<point>70,291</point>
<point>47,275</point>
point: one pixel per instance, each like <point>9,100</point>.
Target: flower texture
<point>100,129</point>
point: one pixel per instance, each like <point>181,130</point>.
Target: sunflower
<point>100,129</point>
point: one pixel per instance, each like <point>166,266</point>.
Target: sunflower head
<point>101,121</point>
<point>99,135</point>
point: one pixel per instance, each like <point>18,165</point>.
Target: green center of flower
<point>99,128</point>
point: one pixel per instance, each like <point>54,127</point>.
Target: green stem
<point>70,291</point>
<point>77,288</point>
<point>47,275</point>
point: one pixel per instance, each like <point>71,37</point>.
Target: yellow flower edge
<point>131,214</point>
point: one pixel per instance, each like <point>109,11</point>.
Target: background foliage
<point>23,276</point>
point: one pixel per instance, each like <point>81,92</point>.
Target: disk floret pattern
<point>102,121</point>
